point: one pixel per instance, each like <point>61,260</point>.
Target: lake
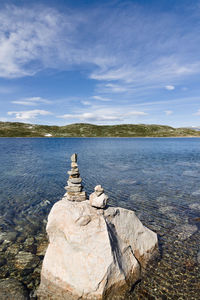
<point>158,178</point>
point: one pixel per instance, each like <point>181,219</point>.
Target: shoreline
<point>97,137</point>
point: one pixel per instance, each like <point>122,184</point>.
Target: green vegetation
<point>14,129</point>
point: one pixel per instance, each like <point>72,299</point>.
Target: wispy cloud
<point>31,101</point>
<point>91,117</point>
<point>7,89</point>
<point>104,115</point>
<point>168,112</point>
<point>86,102</point>
<point>28,115</point>
<point>170,87</point>
<point>197,113</point>
<point>100,98</point>
<point>30,39</point>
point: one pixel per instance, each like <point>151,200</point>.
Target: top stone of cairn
<point>74,157</point>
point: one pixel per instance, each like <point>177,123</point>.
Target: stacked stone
<point>74,187</point>
<point>98,199</point>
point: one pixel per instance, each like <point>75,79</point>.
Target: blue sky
<point>100,62</point>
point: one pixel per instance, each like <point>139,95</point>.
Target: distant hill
<point>15,129</point>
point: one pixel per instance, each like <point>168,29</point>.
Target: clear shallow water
<point>158,178</point>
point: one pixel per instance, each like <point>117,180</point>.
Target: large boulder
<point>93,253</point>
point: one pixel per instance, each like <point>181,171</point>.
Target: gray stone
<point>13,249</point>
<point>74,172</point>
<point>26,260</point>
<point>79,196</point>
<point>74,157</point>
<point>30,245</point>
<point>198,257</point>
<point>74,188</point>
<point>185,231</point>
<point>11,236</point>
<point>98,201</point>
<point>69,183</point>
<point>2,237</point>
<point>98,190</point>
<point>12,289</point>
<point>75,180</point>
<point>2,261</point>
<point>74,165</point>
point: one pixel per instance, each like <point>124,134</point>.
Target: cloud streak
<point>168,112</point>
<point>170,87</point>
<point>104,115</point>
<point>31,101</point>
<point>28,115</point>
<point>100,98</point>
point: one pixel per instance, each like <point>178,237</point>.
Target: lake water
<point>159,178</point>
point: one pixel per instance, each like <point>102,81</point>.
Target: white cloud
<point>31,101</point>
<point>100,98</point>
<point>91,117</point>
<point>103,114</point>
<point>27,115</point>
<point>168,112</point>
<point>197,113</point>
<point>30,39</point>
<point>2,119</point>
<point>116,88</point>
<point>136,113</point>
<point>170,87</point>
<point>85,102</point>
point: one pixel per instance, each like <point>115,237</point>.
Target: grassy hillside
<point>8,129</point>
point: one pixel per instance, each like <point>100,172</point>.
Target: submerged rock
<point>11,289</point>
<point>26,260</point>
<point>198,257</point>
<point>93,252</point>
<point>185,231</point>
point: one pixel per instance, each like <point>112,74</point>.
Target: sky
<point>100,62</point>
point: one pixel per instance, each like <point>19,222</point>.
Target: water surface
<point>159,178</point>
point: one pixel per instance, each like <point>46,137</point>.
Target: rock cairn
<point>74,186</point>
<point>95,251</point>
<point>98,199</point>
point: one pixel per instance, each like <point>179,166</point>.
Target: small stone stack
<point>74,187</point>
<point>98,199</point>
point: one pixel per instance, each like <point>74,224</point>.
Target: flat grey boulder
<point>93,253</point>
